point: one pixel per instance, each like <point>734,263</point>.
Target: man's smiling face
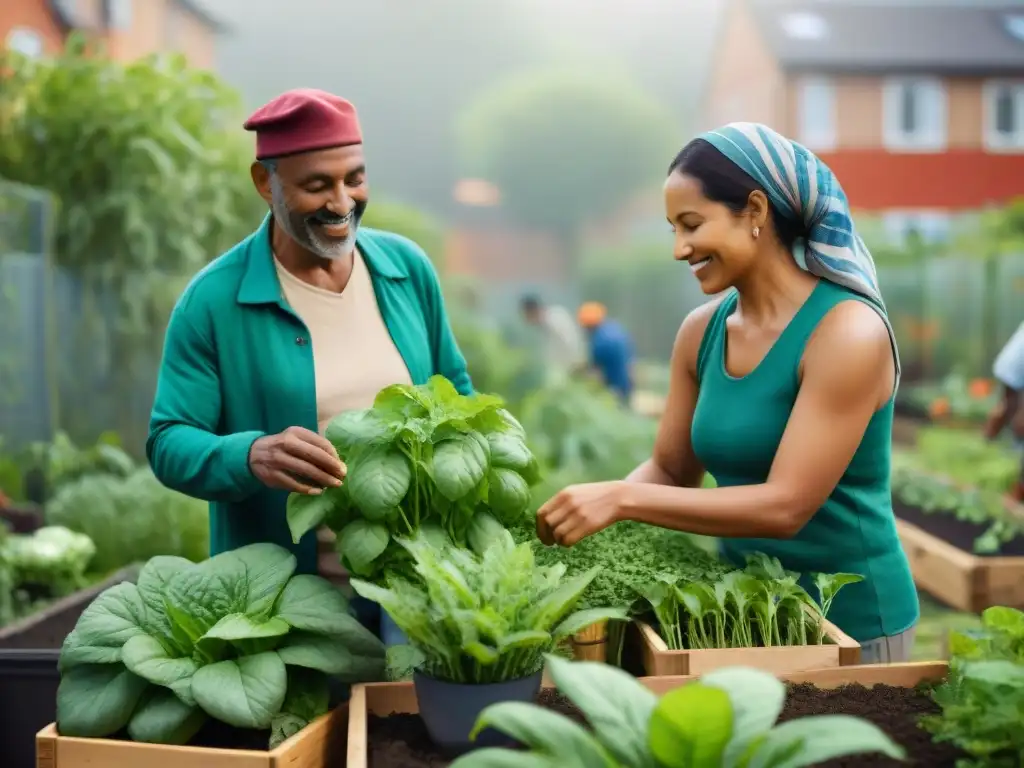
<point>317,198</point>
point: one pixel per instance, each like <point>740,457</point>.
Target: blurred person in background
<point>563,350</point>
<point>611,349</point>
<point>782,388</point>
<point>308,317</point>
<point>1008,370</point>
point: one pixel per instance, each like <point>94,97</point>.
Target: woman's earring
<point>756,232</point>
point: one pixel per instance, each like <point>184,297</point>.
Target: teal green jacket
<point>237,365</point>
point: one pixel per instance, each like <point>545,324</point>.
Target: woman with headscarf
<point>782,388</point>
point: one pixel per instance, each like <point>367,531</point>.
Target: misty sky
<point>410,65</point>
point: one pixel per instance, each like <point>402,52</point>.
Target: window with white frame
<point>927,226</point>
<point>25,41</point>
<point>915,114</point>
<point>119,14</point>
<point>816,108</point>
<point>1004,115</point>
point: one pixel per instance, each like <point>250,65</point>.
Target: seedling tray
<point>659,661</point>
<point>384,699</point>
<point>959,578</point>
<point>318,745</point>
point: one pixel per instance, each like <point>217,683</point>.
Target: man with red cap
<point>308,317</point>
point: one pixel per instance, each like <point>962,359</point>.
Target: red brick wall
<point>956,180</point>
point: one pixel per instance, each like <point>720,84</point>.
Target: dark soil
<point>895,710</point>
<point>401,741</point>
<point>959,533</point>
<point>217,735</point>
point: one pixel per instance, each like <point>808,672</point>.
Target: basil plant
<point>423,458</point>
<point>483,619</point>
<point>238,638</point>
<point>725,720</point>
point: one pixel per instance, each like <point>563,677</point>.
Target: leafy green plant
<point>982,701</point>
<point>931,494</point>
<point>967,458</point>
<point>423,457</point>
<point>483,619</point>
<point>762,605</point>
<point>237,638</point>
<point>954,392</point>
<point>725,720</point>
<point>52,557</point>
<point>131,519</point>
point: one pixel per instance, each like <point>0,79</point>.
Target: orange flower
<point>939,407</point>
<point>979,389</point>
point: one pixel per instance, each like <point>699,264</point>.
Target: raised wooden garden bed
<point>48,628</point>
<point>658,661</point>
<point>320,745</point>
<point>957,576</point>
<point>380,701</point>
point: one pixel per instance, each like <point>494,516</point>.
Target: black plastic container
<point>28,692</point>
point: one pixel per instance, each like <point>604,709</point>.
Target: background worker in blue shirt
<point>611,349</point>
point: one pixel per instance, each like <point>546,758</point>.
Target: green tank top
<point>737,427</point>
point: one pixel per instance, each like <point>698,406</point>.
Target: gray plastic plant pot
<point>450,710</point>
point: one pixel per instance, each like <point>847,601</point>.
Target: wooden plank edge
<point>357,749</point>
<point>919,537</point>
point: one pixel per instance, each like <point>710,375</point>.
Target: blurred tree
<point>566,148</point>
<point>408,221</point>
<point>150,170</point>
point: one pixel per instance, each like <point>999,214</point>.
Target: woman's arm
<point>848,374</point>
<point>673,461</point>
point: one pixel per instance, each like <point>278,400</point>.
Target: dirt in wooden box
<point>217,735</point>
<point>401,741</point>
<point>960,533</point>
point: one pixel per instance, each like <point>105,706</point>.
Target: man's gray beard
<point>308,238</point>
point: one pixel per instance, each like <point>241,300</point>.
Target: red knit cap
<point>303,120</point>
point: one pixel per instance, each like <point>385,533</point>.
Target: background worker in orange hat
<point>611,349</point>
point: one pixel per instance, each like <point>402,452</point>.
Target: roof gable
<point>900,36</point>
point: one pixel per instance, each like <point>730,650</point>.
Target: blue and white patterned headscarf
<point>802,188</point>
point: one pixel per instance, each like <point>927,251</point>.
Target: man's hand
<point>296,460</point>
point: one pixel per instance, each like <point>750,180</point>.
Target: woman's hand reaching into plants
<point>580,511</point>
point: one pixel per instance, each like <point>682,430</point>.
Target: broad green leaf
<point>314,604</point>
<point>305,512</point>
<point>402,661</point>
<point>508,450</point>
<point>360,543</point>
<point>816,739</point>
<point>114,617</point>
<point>152,584</point>
<point>690,727</point>
<point>307,699</point>
<point>198,597</point>
<point>459,465</point>
<point>615,704</point>
<point>995,672</point>
<point>378,480</point>
<point>245,692</point>
<point>96,700</point>
<point>530,638</point>
<point>162,718</point>
<point>146,657</point>
<point>1008,620</point>
<point>757,698</point>
<point>267,569</point>
<point>577,622</point>
<point>329,655</point>
<point>238,626</point>
<point>484,530</point>
<point>544,731</point>
<point>508,495</point>
<point>352,430</point>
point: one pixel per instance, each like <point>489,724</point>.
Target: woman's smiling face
<point>717,243</point>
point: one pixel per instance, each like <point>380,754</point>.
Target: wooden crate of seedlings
<point>318,745</point>
<point>719,624</point>
<point>967,550</point>
<point>838,650</point>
